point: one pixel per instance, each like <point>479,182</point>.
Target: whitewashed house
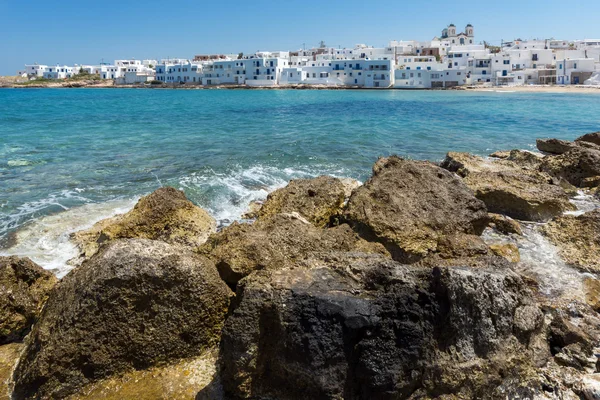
<point>110,71</point>
<point>574,71</point>
<point>60,72</point>
<point>35,70</point>
<point>264,71</point>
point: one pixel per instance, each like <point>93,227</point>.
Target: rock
<point>591,182</point>
<point>506,250</point>
<point>554,146</point>
<point>570,345</point>
<point>590,389</point>
<point>366,327</point>
<point>136,304</point>
<point>349,186</point>
<point>578,239</point>
<point>521,195</point>
<point>525,159</point>
<point>188,379</point>
<point>574,165</point>
<point>166,215</point>
<point>277,242</point>
<point>464,164</point>
<point>591,288</point>
<point>253,210</point>
<point>501,154</point>
<point>590,138</point>
<point>9,355</point>
<point>505,224</point>
<point>316,199</point>
<point>409,206</point>
<point>24,288</point>
<point>461,250</point>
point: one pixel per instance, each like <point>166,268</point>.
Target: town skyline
<point>78,36</point>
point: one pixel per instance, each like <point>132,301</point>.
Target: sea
<point>71,157</point>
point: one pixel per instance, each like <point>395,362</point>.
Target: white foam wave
<point>226,196</point>
<point>540,260</point>
<point>584,202</point>
<point>47,240</point>
<point>30,211</point>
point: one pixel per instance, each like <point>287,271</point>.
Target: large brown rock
<point>554,146</point>
<point>409,206</point>
<point>24,287</point>
<point>574,165</point>
<point>524,195</point>
<point>364,327</point>
<point>590,138</point>
<point>165,214</point>
<point>578,239</point>
<point>515,160</point>
<point>135,304</point>
<point>465,163</point>
<point>317,199</point>
<point>277,242</point>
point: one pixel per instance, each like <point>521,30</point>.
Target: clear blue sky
<point>81,31</point>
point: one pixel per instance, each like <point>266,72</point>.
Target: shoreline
<point>498,89</point>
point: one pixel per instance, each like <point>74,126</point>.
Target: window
<point>575,66</point>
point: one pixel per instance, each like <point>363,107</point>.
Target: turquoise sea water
<point>63,148</point>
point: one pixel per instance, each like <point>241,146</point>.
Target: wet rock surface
<point>578,238</point>
<point>24,287</point>
<point>367,327</point>
<point>505,224</point>
<point>317,200</point>
<point>165,214</point>
<point>135,304</point>
<point>408,206</point>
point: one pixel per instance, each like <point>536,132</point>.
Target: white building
<point>574,71</point>
<point>35,70</point>
<point>60,72</point>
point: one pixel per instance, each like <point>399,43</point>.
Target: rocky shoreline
<point>412,285</point>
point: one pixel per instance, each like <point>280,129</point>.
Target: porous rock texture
<point>574,166</point>
<point>135,304</point>
<point>554,146</point>
<point>277,241</point>
<point>24,287</point>
<point>363,327</point>
<point>409,206</point>
<point>578,239</point>
<point>505,224</point>
<point>165,214</point>
<point>525,196</point>
<point>317,199</point>
<point>511,186</point>
<point>593,137</point>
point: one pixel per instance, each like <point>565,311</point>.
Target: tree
<point>240,56</point>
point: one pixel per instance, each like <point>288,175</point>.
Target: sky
<point>88,32</point>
